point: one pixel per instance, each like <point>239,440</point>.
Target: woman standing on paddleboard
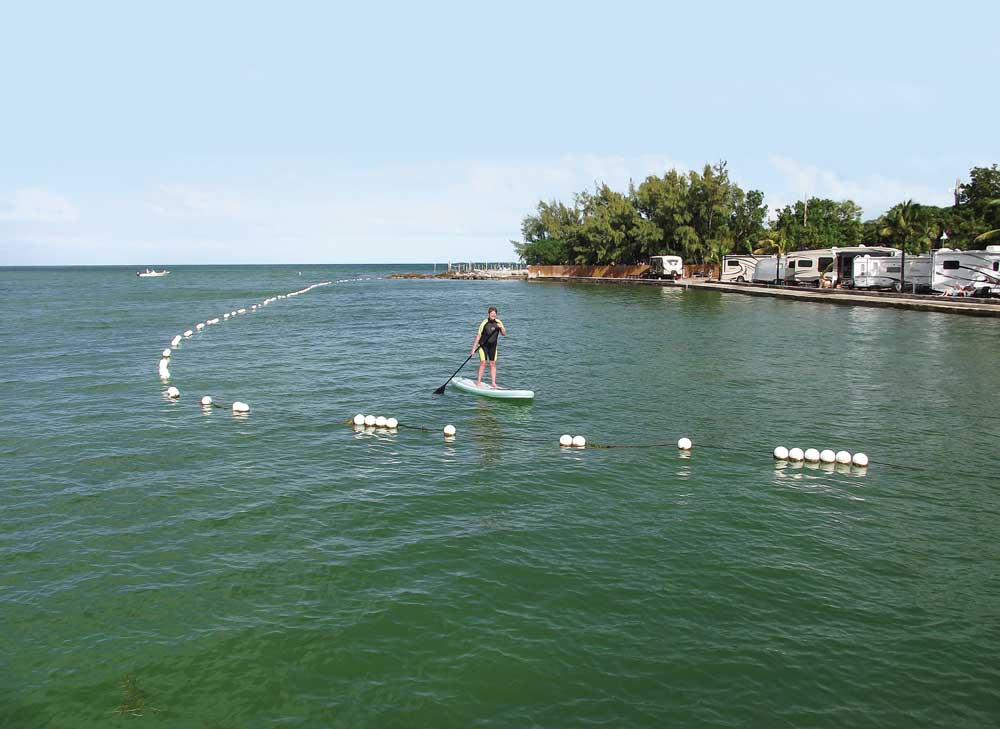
<point>487,335</point>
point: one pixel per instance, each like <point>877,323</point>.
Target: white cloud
<point>874,193</point>
<point>34,205</point>
<point>185,202</point>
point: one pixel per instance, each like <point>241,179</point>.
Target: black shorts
<point>488,352</point>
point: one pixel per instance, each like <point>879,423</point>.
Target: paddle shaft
<point>440,390</point>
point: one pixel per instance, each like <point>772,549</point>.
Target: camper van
<point>770,270</point>
<point>740,268</point>
<point>828,266</point>
<point>882,273</point>
<point>666,267</point>
<point>973,271</point>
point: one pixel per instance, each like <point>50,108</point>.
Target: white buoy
<point>449,431</point>
<point>164,363</point>
<point>164,374</point>
<point>207,400</point>
<point>166,352</point>
<point>781,453</point>
<point>795,454</point>
<point>175,341</point>
<point>225,316</point>
<point>359,419</point>
<point>188,333</point>
<point>391,423</point>
<point>843,457</point>
<point>240,407</point>
<point>199,326</point>
<point>173,392</point>
<point>369,420</point>
<point>241,311</point>
<point>579,441</point>
<point>380,421</point>
<point>860,459</point>
<point>565,440</point>
<point>811,455</point>
<point>684,444</point>
<point>827,456</point>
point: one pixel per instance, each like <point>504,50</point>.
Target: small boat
<point>466,385</point>
<point>149,273</point>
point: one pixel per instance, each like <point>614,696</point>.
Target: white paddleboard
<point>485,390</point>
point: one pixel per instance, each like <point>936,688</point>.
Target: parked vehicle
<point>978,271</point>
<point>770,270</point>
<point>740,268</point>
<point>671,267</point>
<point>832,266</point>
<point>883,273</point>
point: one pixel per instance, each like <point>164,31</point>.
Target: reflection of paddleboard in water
<point>485,390</point>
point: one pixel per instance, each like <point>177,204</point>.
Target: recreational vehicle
<point>770,270</point>
<point>829,266</point>
<point>740,268</point>
<point>882,272</point>
<point>974,271</point>
<point>666,267</point>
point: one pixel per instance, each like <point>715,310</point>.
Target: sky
<point>307,132</point>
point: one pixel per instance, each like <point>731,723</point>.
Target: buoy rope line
<point>858,461</point>
<point>166,357</point>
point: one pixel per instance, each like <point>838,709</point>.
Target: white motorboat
<point>149,273</point>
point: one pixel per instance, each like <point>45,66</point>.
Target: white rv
<point>740,268</point>
<point>666,267</point>
<point>975,271</point>
<point>807,268</point>
<point>882,272</point>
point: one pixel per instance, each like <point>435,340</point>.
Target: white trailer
<point>666,267</point>
<point>882,273</point>
<point>832,265</point>
<point>967,271</point>
<point>740,268</point>
<point>770,270</point>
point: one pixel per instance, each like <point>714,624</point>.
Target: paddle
<point>440,390</point>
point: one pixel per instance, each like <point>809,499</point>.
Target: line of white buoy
<point>239,408</point>
<point>374,421</point>
<point>812,455</point>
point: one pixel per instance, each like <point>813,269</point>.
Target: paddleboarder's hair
<point>493,309</point>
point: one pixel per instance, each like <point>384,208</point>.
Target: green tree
<point>820,223</point>
<point>547,234</point>
<point>612,229</point>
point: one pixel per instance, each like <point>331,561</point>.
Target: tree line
<point>704,216</point>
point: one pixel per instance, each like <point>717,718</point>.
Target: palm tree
<point>776,242</point>
<point>717,251</point>
<point>901,224</point>
<point>990,235</point>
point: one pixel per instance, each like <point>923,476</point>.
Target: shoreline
<point>916,302</point>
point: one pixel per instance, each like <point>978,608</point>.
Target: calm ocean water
<point>281,569</point>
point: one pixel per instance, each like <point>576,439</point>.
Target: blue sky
<point>338,133</point>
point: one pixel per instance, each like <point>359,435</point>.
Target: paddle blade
<point>440,390</point>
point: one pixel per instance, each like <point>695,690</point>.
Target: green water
<point>285,570</point>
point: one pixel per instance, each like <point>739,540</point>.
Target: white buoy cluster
<point>812,455</point>
<point>572,441</point>
<point>239,408</point>
<point>375,421</point>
